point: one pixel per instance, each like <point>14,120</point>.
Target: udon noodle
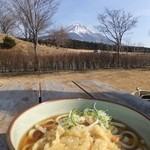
<point>86,130</point>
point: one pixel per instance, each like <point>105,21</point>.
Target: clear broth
<point>140,144</point>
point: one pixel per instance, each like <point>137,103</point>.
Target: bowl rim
<point>8,139</point>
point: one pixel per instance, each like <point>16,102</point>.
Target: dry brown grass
<point>126,80</point>
<point>42,49</point>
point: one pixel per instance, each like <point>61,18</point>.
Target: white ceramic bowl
<point>25,120</point>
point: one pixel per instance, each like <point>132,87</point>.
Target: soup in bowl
<point>79,124</point>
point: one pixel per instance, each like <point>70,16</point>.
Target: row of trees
<point>75,44</point>
<point>19,61</point>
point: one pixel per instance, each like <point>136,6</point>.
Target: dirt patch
<point>126,80</point>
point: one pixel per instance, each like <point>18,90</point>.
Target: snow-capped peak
<point>79,29</point>
<point>80,32</point>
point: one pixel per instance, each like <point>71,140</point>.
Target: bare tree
<point>7,23</point>
<point>35,16</point>
<point>114,24</point>
<point>2,8</point>
<point>60,37</point>
<point>23,29</point>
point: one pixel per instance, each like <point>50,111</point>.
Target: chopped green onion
<point>76,117</point>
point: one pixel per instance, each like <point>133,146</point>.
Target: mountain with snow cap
<point>79,29</point>
<point>80,32</point>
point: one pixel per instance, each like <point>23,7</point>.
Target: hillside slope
<point>28,47</point>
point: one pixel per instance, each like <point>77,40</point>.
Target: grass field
<point>126,80</point>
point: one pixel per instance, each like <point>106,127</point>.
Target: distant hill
<point>27,47</point>
<point>82,33</point>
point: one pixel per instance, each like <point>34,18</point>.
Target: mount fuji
<point>82,33</point>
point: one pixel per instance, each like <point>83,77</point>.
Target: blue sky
<point>86,12</point>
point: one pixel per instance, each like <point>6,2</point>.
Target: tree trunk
<point>118,55</point>
<point>36,61</point>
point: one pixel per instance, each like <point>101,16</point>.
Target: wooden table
<point>16,97</point>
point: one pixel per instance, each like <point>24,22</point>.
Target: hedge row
<point>19,61</point>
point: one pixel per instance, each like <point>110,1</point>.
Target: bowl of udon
<point>79,124</point>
